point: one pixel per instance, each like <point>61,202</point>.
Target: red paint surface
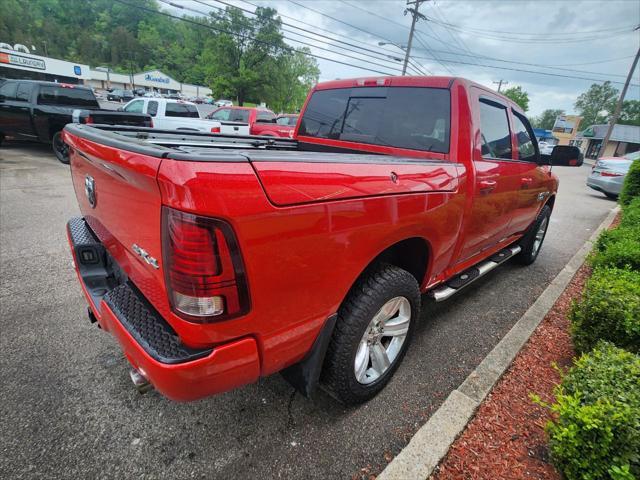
<point>307,230</point>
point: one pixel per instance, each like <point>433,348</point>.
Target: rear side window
<point>237,115</point>
<point>524,136</point>
<point>181,110</point>
<point>494,127</point>
<point>135,106</point>
<point>8,90</point>
<point>77,97</point>
<point>152,108</point>
<point>24,92</point>
<point>416,118</point>
<point>222,114</point>
<point>265,116</point>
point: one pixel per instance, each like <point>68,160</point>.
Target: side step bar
<point>457,283</point>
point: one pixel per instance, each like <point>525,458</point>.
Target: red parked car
<point>261,120</point>
<point>218,260</point>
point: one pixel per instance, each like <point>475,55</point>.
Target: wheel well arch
<point>551,202</point>
<point>411,254</point>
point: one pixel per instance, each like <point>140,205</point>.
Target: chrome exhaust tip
<point>140,381</point>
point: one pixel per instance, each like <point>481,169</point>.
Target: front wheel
<point>60,148</point>
<point>373,331</point>
<point>532,241</point>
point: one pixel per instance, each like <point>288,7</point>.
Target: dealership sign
<point>151,78</point>
<point>22,61</point>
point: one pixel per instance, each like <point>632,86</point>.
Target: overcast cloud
<point>557,38</point>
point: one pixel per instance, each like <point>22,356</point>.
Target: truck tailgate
<point>302,177</point>
<point>234,128</point>
<point>119,197</point>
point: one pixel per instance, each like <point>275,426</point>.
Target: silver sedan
<point>608,174</point>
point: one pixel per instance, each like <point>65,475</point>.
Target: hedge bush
<point>631,187</point>
<point>618,248</point>
<point>609,310</point>
<point>596,433</point>
<point>631,213</point>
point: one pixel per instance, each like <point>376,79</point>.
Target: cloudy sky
<point>592,39</point>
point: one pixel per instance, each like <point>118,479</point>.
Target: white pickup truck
<point>169,114</point>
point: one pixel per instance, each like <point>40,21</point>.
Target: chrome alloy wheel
<point>382,340</point>
<point>542,229</point>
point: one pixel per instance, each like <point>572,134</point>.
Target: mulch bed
<point>506,438</point>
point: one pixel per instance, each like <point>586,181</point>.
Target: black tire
<point>612,196</point>
<point>60,149</point>
<point>530,248</point>
<point>365,300</point>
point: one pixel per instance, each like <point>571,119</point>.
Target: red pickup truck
<point>261,120</point>
<point>216,260</point>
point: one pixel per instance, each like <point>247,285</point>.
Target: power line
<point>221,30</point>
<point>394,67</point>
<point>384,56</point>
<point>534,71</point>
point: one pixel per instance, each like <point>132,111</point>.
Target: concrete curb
<point>433,440</point>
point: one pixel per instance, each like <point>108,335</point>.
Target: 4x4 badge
<point>145,256</point>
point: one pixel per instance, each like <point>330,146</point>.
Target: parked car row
<point>261,121</point>
<point>608,174</point>
<point>38,111</point>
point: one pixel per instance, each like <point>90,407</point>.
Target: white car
<point>545,147</point>
<point>223,103</point>
<point>169,114</point>
<point>152,95</point>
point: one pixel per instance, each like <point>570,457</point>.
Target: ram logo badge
<point>141,252</point>
<point>90,190</point>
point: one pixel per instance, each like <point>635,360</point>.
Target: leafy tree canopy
<point>597,104</point>
<point>518,95</point>
<point>547,118</point>
<point>240,57</point>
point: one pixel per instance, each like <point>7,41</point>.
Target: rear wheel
<point>373,331</point>
<point>612,196</point>
<point>60,148</point>
<point>532,241</point>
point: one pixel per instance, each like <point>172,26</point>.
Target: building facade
<point>565,128</point>
<point>21,65</point>
<point>624,139</point>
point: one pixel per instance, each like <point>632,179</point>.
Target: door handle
<point>526,182</point>
<point>487,186</point>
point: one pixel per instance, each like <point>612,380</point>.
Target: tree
<point>597,104</point>
<point>296,74</point>
<point>630,113</point>
<point>518,95</point>
<point>547,118</point>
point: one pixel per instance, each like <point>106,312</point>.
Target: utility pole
<point>416,16</point>
<point>616,114</point>
<point>500,83</point>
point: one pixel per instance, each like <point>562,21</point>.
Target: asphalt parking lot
<point>69,410</point>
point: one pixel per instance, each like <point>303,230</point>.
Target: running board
<point>457,283</point>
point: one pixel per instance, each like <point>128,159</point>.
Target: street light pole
<point>616,113</point>
<point>416,15</point>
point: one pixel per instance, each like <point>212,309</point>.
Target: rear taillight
<point>203,268</point>
<point>609,173</point>
<point>151,123</point>
<point>215,129</point>
<point>89,120</point>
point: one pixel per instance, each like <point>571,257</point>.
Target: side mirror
<point>120,109</point>
<point>563,156</point>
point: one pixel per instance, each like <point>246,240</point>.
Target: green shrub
<point>631,187</point>
<point>609,310</point>
<point>618,248</point>
<point>596,434</point>
<point>631,213</point>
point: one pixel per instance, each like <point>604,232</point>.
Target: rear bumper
<point>148,341</point>
<point>612,185</point>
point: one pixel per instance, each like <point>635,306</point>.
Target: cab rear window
<point>416,118</point>
<point>72,96</point>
